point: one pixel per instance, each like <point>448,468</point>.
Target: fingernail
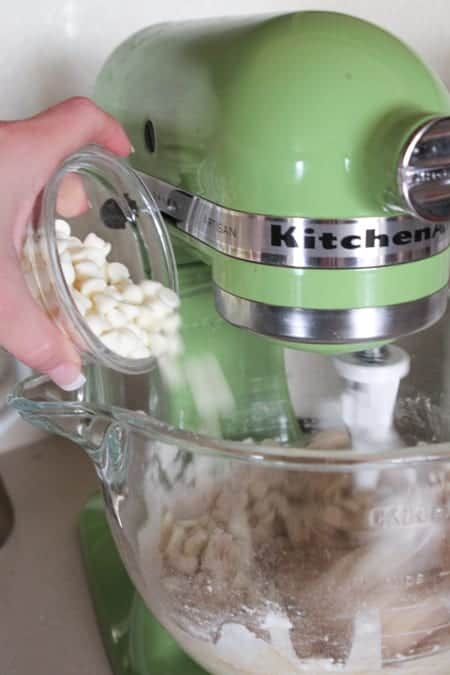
<point>67,376</point>
<point>132,149</point>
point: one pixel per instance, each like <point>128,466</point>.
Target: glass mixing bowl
<point>261,558</point>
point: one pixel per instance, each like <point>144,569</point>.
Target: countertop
<point>47,624</point>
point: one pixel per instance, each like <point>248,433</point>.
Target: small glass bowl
<point>119,209</point>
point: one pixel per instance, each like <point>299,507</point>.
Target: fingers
<point>93,125</point>
<point>32,149</point>
<point>28,334</point>
<point>72,200</point>
<point>74,123</point>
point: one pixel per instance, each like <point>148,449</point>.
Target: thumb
<point>30,335</point>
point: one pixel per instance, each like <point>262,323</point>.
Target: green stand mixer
<point>301,163</point>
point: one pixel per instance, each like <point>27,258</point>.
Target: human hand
<point>30,151</point>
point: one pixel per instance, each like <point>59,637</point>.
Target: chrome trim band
<point>325,326</point>
<point>300,242</point>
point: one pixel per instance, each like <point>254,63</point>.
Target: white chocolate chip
<point>140,333</point>
<point>160,309</point>
<point>91,286</point>
<point>65,258</point>
<point>169,298</point>
<point>68,272</point>
<point>82,302</point>
<point>74,243</point>
<point>92,241</point>
<point>122,285</point>
<point>97,324</point>
<point>135,344</point>
<point>87,270</point>
<point>149,318</point>
<point>130,311</point>
<point>113,293</point>
<point>62,245</point>
<point>117,272</point>
<point>104,302</point>
<point>142,352</point>
<point>158,344</point>
<point>67,268</point>
<point>133,294</point>
<point>62,228</point>
<point>122,341</point>
<point>150,288</point>
<point>117,318</point>
<point>66,245</point>
<point>112,341</point>
<point>90,253</point>
<point>98,256</point>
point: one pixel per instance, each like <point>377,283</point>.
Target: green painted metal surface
<point>334,289</point>
<point>300,114</point>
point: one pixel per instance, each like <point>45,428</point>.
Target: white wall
<point>50,49</point>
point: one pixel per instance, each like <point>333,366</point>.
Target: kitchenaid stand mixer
<point>301,163</point>
<point>304,158</point>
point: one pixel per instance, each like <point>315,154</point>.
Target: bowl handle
<point>41,403</point>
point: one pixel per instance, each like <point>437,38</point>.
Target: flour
<point>238,652</point>
<point>258,571</point>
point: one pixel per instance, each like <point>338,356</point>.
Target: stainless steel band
<point>331,326</point>
<point>300,242</point>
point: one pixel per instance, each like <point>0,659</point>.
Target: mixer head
<point>306,158</point>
